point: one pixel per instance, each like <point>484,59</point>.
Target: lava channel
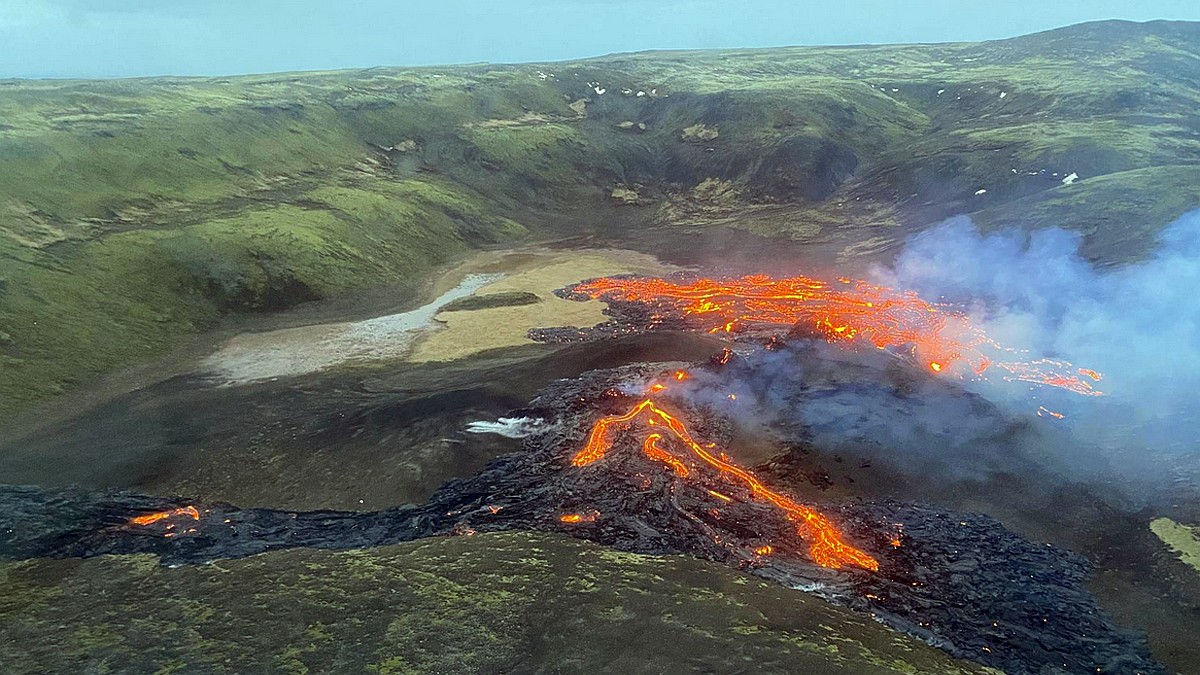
<point>826,544</point>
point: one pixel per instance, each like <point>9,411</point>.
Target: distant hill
<point>133,212</point>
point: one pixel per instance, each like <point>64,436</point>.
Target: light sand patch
<point>540,272</point>
<point>254,357</point>
<point>1183,540</point>
<point>422,334</point>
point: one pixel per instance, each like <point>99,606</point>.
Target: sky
<point>123,38</point>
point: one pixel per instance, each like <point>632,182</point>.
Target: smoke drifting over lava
<point>1138,324</point>
<point>986,328</point>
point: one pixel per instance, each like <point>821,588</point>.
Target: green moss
<point>488,300</point>
<point>123,297</point>
<point>1183,541</point>
<point>488,603</point>
<point>1122,212</point>
<point>154,160</point>
<point>541,152</point>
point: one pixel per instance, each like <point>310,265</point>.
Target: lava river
<point>826,545</point>
<point>848,312</point>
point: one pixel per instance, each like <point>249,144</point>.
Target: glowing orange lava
<point>650,447</point>
<point>579,517</point>
<point>849,311</point>
<point>825,541</point>
<point>151,518</point>
<point>1043,411</point>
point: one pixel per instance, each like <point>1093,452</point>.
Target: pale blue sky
<point>109,38</point>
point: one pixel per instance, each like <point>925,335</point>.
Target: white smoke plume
<point>1137,324</point>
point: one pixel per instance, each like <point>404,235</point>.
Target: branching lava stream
<point>826,545</point>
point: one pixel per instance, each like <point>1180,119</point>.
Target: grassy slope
<point>136,211</point>
<point>512,602</point>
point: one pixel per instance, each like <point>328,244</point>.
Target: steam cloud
<point>1138,324</point>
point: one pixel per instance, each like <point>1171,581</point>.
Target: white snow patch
<point>1071,178</point>
<point>980,192</point>
<point>941,91</point>
<point>508,427</point>
<point>1003,94</point>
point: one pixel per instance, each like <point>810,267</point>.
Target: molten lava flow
<point>151,518</point>
<point>650,447</point>
<point>573,518</point>
<point>1043,411</point>
<point>825,540</point>
<point>1051,372</point>
<point>934,335</point>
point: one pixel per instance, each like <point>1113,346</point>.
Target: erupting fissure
<point>825,540</point>
<point>849,311</point>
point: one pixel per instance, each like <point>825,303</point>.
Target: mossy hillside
<point>164,160</point>
<point>1120,212</point>
<point>118,299</point>
<point>488,603</point>
<point>1090,99</point>
<point>865,136</point>
<point>532,156</point>
<point>1111,97</point>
